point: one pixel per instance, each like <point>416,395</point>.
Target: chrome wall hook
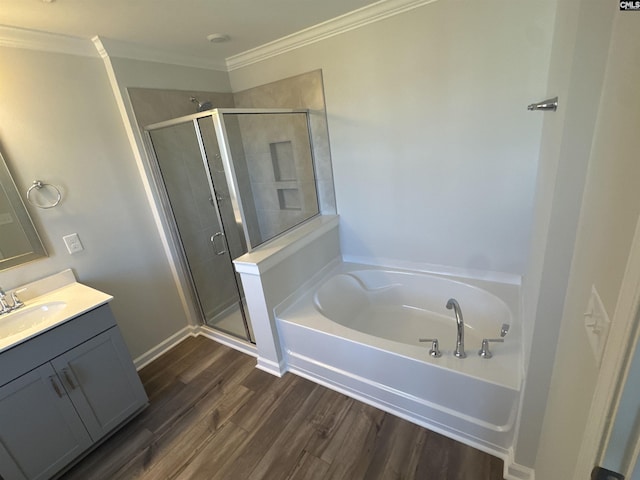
<point>549,104</point>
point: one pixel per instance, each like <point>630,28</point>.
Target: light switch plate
<point>596,323</point>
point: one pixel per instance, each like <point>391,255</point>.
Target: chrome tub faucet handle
<point>504,329</point>
<point>484,351</point>
<point>435,347</point>
<point>17,303</point>
<point>4,305</point>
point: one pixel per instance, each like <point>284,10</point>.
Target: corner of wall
<point>137,148</point>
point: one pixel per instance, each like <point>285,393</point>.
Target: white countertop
<point>68,298</point>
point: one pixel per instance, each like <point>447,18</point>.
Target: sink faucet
<point>4,305</point>
<point>459,351</point>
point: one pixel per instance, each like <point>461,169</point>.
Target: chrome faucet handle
<point>17,303</point>
<point>434,351</point>
<point>484,350</point>
<point>4,305</point>
<point>504,329</point>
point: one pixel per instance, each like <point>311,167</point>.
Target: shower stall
<point>230,180</point>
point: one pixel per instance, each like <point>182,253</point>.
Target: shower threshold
<point>230,321</point>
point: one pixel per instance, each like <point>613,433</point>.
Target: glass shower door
<point>269,162</point>
<point>195,207</point>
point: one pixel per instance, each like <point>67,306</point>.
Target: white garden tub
<point>357,329</point>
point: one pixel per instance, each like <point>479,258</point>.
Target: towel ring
<point>37,184</point>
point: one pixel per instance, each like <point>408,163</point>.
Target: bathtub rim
<point>508,287</point>
<point>317,300</point>
<point>307,291</point>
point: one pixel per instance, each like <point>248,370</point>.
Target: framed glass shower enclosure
<point>228,181</point>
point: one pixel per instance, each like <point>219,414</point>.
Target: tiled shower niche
<point>284,173</point>
<point>275,152</point>
<point>289,199</point>
<point>284,166</point>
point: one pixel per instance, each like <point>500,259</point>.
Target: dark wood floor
<point>214,416</point>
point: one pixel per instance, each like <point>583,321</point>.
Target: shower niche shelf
<point>284,165</point>
<point>285,175</point>
<point>289,199</point>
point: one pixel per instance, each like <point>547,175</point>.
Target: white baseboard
<point>269,366</point>
<point>227,340</point>
<point>514,471</point>
<point>149,356</point>
<point>193,331</point>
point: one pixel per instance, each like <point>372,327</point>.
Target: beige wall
<point>59,123</point>
<point>609,214</point>
<point>434,153</point>
<point>67,130</point>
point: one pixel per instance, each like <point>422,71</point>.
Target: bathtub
<point>356,330</point>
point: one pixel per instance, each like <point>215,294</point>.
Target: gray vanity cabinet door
<point>101,381</point>
<point>40,431</point>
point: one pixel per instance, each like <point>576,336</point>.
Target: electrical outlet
<point>596,323</point>
<point>73,243</point>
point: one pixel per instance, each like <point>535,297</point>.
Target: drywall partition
<point>434,153</point>
<point>276,271</point>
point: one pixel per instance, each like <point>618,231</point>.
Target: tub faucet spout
<point>459,351</point>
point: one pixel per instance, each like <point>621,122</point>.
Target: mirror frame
<point>36,247</point>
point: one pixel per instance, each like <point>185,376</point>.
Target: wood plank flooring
<point>214,416</point>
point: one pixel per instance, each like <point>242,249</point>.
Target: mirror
<point>19,241</point>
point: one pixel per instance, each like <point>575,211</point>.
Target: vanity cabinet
<point>41,430</point>
<point>58,409</point>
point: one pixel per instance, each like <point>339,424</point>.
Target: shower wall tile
<point>266,196</point>
<point>327,202</point>
<point>276,198</point>
<point>260,168</point>
<point>198,244</point>
<point>209,279</point>
<point>242,170</point>
<point>309,198</point>
<point>152,105</point>
<point>301,91</point>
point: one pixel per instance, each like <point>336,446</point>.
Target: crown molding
<point>116,48</point>
<point>349,21</point>
<point>14,37</point>
<point>50,42</point>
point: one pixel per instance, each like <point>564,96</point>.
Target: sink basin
<point>29,317</point>
<point>49,303</point>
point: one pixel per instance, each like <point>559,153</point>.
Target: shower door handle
<point>213,241</point>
